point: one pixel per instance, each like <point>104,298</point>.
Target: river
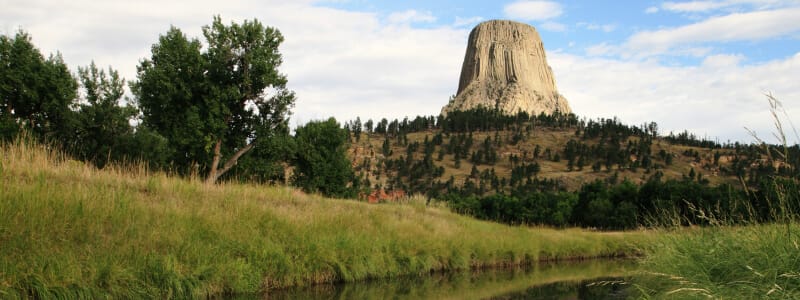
<point>591,279</point>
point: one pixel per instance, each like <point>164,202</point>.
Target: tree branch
<point>228,164</point>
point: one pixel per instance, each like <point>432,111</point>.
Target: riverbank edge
<point>545,273</point>
<point>73,231</point>
<point>481,267</point>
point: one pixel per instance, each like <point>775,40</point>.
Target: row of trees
<point>217,108</point>
<point>484,119</point>
<point>83,115</point>
<point>625,205</point>
<point>474,120</point>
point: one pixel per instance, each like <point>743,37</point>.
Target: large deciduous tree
<point>213,106</point>
<point>103,130</point>
<point>170,91</point>
<point>321,163</point>
<point>35,93</point>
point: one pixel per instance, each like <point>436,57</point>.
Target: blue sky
<point>701,65</point>
<point>583,24</point>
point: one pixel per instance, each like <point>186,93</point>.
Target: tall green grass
<point>723,262</point>
<point>727,261</point>
<point>70,231</point>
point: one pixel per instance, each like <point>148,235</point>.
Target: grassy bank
<point>749,262</point>
<point>70,230</point>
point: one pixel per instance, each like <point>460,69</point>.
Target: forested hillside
<point>552,169</point>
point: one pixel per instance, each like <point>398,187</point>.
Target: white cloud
<point>751,26</point>
<point>608,27</point>
<point>651,10</point>
<point>553,26</point>
<point>603,27</point>
<point>347,64</point>
<point>340,63</point>
<point>715,99</point>
<point>461,22</point>
<point>694,51</point>
<point>601,49</point>
<point>693,6</point>
<point>723,60</point>
<point>533,10</point>
<point>766,4</point>
<point>709,6</point>
<point>411,16</point>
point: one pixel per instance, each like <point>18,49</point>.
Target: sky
<point>702,66</point>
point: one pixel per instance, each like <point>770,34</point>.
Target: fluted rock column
<point>505,67</point>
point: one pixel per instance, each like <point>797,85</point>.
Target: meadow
<point>70,230</point>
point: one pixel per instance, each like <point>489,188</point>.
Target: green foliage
<point>321,163</point>
<point>40,97</point>
<point>35,93</point>
<point>103,129</point>
<point>550,208</point>
<point>243,62</point>
<point>169,91</point>
<point>267,161</point>
<point>192,101</point>
<point>625,205</point>
<point>147,147</point>
<point>229,95</point>
<point>386,148</point>
<point>611,208</point>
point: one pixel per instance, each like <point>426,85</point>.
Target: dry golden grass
<point>555,139</point>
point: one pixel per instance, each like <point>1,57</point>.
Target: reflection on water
<point>597,288</point>
<point>596,279</point>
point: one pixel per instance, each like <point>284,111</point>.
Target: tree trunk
<point>212,174</point>
<point>216,173</point>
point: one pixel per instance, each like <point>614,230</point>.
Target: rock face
<point>505,68</point>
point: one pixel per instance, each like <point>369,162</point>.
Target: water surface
<point>594,279</point>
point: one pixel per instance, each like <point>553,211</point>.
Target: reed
<point>728,261</point>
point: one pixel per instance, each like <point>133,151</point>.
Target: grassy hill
<point>669,157</point>
<point>369,145</point>
<point>69,230</point>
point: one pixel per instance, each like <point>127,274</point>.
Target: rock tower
<point>505,68</point>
